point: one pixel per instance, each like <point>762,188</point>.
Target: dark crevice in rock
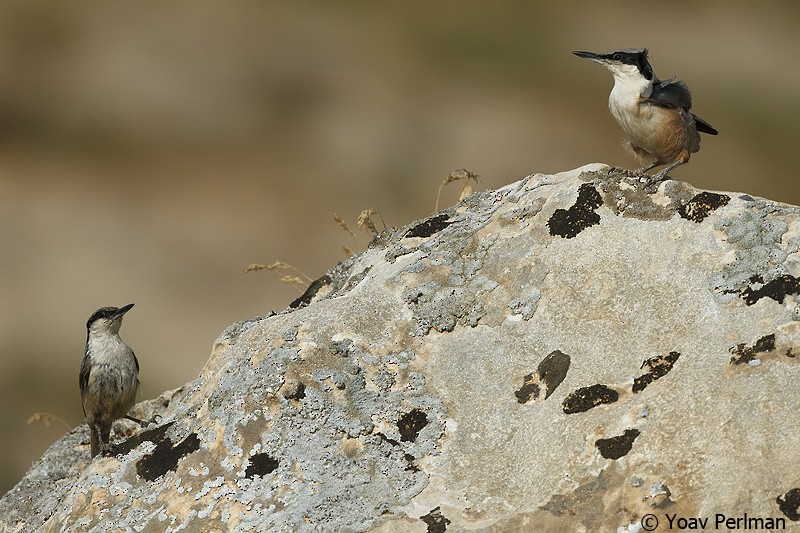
<point>789,504</point>
<point>658,367</point>
<point>777,289</point>
<point>261,464</point>
<point>585,398</point>
<point>742,353</point>
<point>529,390</point>
<point>437,522</point>
<point>551,372</point>
<point>430,226</point>
<point>702,205</point>
<point>165,456</point>
<point>155,435</point>
<point>410,424</point>
<point>311,291</point>
<point>568,223</point>
<point>619,446</point>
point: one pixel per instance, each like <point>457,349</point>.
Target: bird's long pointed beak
<point>123,310</point>
<point>588,55</point>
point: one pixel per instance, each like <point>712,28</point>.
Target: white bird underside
<point>656,134</point>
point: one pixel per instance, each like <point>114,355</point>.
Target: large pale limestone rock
<point>568,353</point>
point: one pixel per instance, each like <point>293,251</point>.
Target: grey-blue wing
<point>83,377</point>
<point>669,93</point>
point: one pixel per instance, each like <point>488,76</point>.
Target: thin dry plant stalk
<point>288,278</point>
<point>458,175</point>
<point>365,221</point>
<point>47,419</point>
<point>277,265</point>
<point>342,224</point>
<point>296,281</point>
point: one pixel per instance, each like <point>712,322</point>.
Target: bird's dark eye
<point>616,57</point>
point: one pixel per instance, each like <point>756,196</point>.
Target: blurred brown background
<point>149,154</point>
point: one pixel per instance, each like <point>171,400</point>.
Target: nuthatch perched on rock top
<point>653,113</point>
<point>109,376</point>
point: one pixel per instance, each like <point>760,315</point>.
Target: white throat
<point>107,347</point>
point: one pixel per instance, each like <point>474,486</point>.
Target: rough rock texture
<point>567,353</point>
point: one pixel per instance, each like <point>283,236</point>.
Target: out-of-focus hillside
<point>149,154</point>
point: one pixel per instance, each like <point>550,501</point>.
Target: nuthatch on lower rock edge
<point>653,113</point>
<point>109,376</point>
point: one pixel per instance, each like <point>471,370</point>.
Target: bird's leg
<point>95,442</point>
<point>102,432</point>
<point>648,167</point>
<point>662,175</point>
